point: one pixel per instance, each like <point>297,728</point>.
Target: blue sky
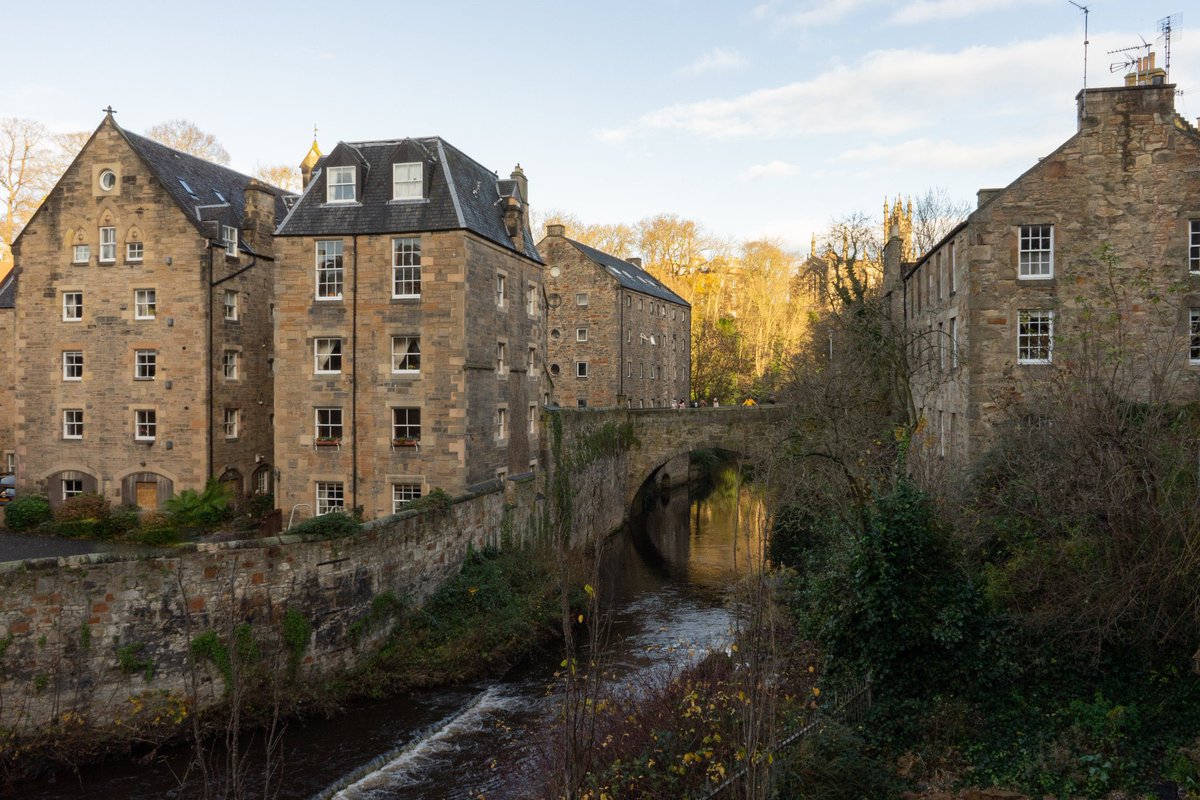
<point>765,118</point>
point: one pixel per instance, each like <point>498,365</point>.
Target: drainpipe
<point>621,340</point>
<point>208,357</point>
<point>354,380</point>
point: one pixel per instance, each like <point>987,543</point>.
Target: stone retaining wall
<point>98,639</point>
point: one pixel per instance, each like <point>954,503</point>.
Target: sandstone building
<point>617,335</point>
<point>142,326</point>
<point>8,369</point>
<point>995,304</point>
<point>412,261</point>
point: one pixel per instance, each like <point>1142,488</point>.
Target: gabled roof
<point>629,276</point>
<point>8,290</point>
<point>206,192</point>
<point>462,194</point>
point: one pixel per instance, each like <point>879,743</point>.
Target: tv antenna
<point>1168,27</point>
<point>1085,11</point>
<point>1131,61</point>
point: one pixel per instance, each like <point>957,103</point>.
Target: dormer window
<point>341,185</point>
<point>407,181</point>
<point>229,236</point>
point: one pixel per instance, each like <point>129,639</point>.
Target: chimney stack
<point>518,175</point>
<point>637,262</point>
<point>556,230</point>
<point>258,219</point>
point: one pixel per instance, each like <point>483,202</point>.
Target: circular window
<point>554,301</point>
<point>108,179</point>
<point>554,369</point>
<point>555,272</point>
<point>554,334</point>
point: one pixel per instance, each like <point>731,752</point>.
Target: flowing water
<point>664,580</point>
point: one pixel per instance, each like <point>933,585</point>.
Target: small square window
<point>581,299</point>
<point>108,245</point>
<point>331,497</point>
<point>231,305</point>
<point>72,365</point>
<point>406,181</point>
<point>145,424</point>
<point>327,356</point>
<point>81,254</point>
<point>341,185</point>
<point>145,304</point>
<point>406,425</point>
<point>329,425</point>
<point>72,306</point>
<point>71,487</point>
<point>403,493</point>
<point>581,402</point>
<point>233,417</point>
<point>145,365</point>
<point>581,334</point>
<point>134,251</point>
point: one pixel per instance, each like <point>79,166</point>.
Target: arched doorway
<point>149,491</point>
<point>231,480</point>
<point>68,483</point>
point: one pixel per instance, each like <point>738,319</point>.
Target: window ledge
<point>406,297</point>
<point>408,201</point>
<point>341,203</point>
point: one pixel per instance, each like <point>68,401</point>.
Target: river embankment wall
<point>101,641</point>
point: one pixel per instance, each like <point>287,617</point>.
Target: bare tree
<point>854,252</point>
<point>185,136</point>
<point>281,175</point>
<point>26,174</point>
<point>934,215</point>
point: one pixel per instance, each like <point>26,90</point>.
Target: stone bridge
<point>608,454</point>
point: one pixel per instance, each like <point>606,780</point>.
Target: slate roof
<point>8,290</point>
<point>629,276</point>
<point>461,194</point>
<point>207,192</point>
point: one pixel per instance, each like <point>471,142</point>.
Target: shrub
<point>205,509</point>
<point>119,522</point>
<point>834,763</point>
<point>26,512</point>
<point>88,506</point>
<point>327,526</point>
<point>156,529</point>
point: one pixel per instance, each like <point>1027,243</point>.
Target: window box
<point>415,443</point>
<point>327,441</point>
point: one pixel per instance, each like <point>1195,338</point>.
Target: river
<point>664,580</point>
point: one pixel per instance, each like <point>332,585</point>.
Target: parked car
<point>8,487</point>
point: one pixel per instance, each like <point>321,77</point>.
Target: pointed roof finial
<point>109,110</point>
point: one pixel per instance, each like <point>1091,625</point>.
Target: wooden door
<point>147,495</point>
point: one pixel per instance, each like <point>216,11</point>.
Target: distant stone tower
<point>310,161</point>
<point>897,223</point>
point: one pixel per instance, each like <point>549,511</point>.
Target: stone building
<point>142,328</point>
<point>994,305</point>
<point>8,370</point>
<point>617,335</point>
<point>411,260</point>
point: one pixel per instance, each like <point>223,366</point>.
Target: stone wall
<point>92,637</point>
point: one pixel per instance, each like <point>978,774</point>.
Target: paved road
<point>20,546</point>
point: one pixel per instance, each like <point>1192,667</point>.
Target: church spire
<point>310,160</point>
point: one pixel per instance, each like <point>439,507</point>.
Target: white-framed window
<point>229,364</point>
<point>532,362</point>
<point>501,358</point>
<point>108,245</point>
<point>329,269</point>
<point>581,369</point>
<point>406,267</point>
<point>404,493</point>
<point>406,355</point>
<point>327,356</point>
<point>581,334</point>
<point>501,289</point>
<point>73,423</point>
<point>1194,335</point>
<point>233,416</point>
<point>533,416</point>
<point>81,254</point>
<point>531,303</point>
<point>145,303</point>
<point>329,424</point>
<point>145,365</point>
<point>406,424</point>
<point>1036,252</point>
<point>71,487</point>
<point>406,181</point>
<point>1194,246</point>
<point>628,368</point>
<point>145,424</point>
<point>954,342</point>
<point>229,238</point>
<point>501,423</point>
<point>331,497</point>
<point>262,481</point>
<point>581,298</point>
<point>108,180</point>
<point>72,365</point>
<point>340,188</point>
<point>135,251</point>
<point>231,305</point>
<point>72,306</point>
<point>1035,336</point>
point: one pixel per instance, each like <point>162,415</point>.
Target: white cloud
<point>715,60</point>
<point>921,11</point>
<point>945,154</point>
<point>773,169</point>
<point>812,13</point>
<point>886,92</point>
